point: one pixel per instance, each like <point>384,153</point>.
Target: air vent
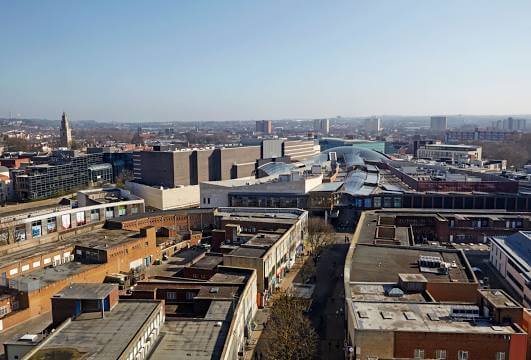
<point>433,317</point>
<point>410,315</point>
<point>386,315</point>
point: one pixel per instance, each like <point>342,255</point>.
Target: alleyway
<point>327,313</point>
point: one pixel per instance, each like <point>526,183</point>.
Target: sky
<point>197,60</point>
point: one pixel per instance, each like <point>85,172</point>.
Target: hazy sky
<point>221,59</point>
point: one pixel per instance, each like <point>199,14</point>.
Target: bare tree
<point>307,271</point>
<point>125,175</point>
<point>289,334</point>
<point>320,235</point>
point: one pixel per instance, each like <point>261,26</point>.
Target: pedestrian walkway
<point>262,315</point>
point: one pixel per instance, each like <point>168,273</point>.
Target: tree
<point>289,334</point>
<point>125,175</point>
<point>320,235</point>
<point>18,144</point>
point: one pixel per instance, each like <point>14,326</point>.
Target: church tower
<point>66,132</point>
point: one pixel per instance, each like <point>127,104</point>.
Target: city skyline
<point>246,61</point>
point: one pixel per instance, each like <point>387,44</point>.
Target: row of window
<point>461,355</point>
<point>46,262</point>
<point>66,222</point>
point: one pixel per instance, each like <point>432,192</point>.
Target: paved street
<point>327,313</point>
<point>253,349</point>
<point>328,305</point>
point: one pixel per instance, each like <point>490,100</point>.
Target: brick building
<point>210,318</point>
<point>408,298</point>
<point>90,322</point>
<point>96,254</point>
<point>268,241</point>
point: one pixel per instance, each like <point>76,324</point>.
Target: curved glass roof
<point>276,168</point>
<point>349,155</point>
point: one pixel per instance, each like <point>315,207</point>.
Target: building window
<point>208,201</point>
<point>462,355</point>
<point>500,356</point>
<point>440,354</point>
<point>171,295</point>
<point>122,210</point>
<point>20,233</point>
<point>36,229</point>
<point>80,218</point>
<point>109,213</point>
<point>397,202</point>
<point>51,226</point>
<point>419,354</point>
<point>95,215</point>
<point>65,221</point>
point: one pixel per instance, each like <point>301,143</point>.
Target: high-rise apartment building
<point>438,123</point>
<point>321,126</point>
<point>373,124</point>
<point>264,126</point>
<point>510,124</point>
<point>66,132</point>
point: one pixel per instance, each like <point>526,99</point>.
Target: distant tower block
<point>66,132</point>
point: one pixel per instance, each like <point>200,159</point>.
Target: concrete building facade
<point>269,242</point>
<point>510,256</point>
<point>438,123</point>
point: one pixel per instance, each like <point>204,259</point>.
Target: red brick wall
<point>479,346</point>
<point>203,274</point>
<point>40,300</point>
<point>456,292</point>
<point>114,296</point>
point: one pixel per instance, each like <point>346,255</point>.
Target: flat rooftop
<point>199,339</point>
<point>378,293</point>
<point>265,240</point>
<point>102,338</point>
<point>499,298</point>
<point>248,252</point>
<point>98,239</point>
<point>46,276</point>
<point>208,262</point>
<point>421,317</point>
<point>379,228</point>
<point>86,291</point>
<point>103,239</point>
<point>281,213</point>
<point>22,211</point>
<point>378,263</point>
<point>30,252</point>
<point>261,219</point>
<point>183,212</point>
<point>232,278</point>
<point>218,292</point>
